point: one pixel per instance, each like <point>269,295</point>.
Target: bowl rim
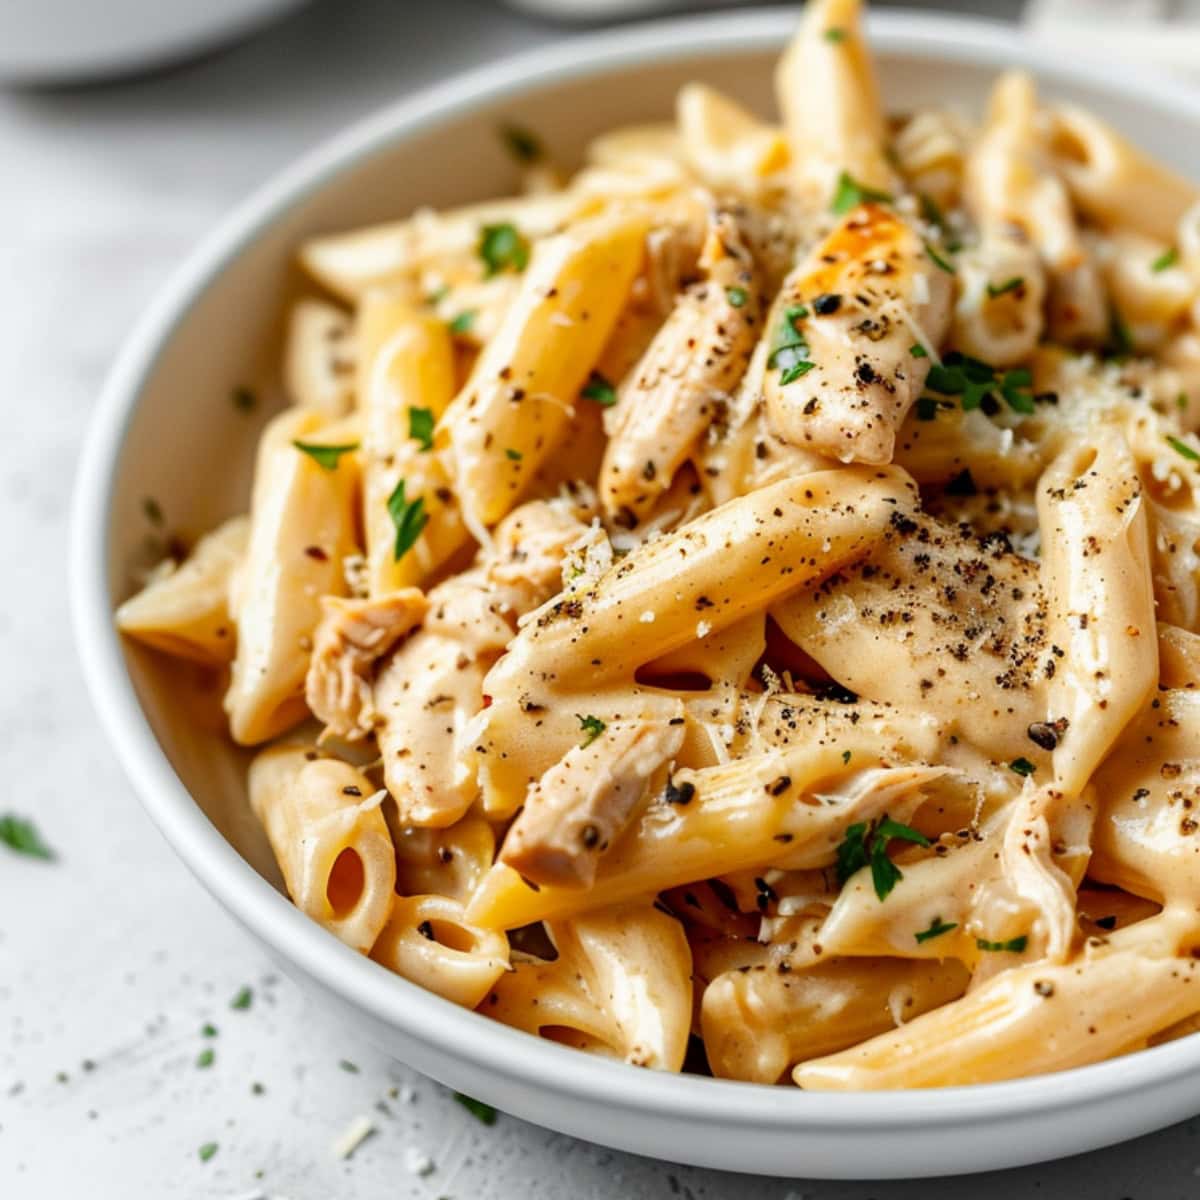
<point>420,1015</point>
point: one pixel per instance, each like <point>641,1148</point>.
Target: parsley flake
<point>480,1111</point>
<point>592,728</point>
<point>206,1057</point>
<point>1181,447</point>
<point>1181,401</point>
<point>502,248</point>
<point>1022,766</point>
<point>1009,285</point>
<point>1166,260</point>
<point>918,351</point>
<point>207,1151</point>
<point>513,455</point>
<point>936,928</point>
<point>409,518</point>
<point>420,427</point>
<point>208,1030</point>
<point>599,390</point>
<point>939,261</point>
<point>1120,340</point>
<point>789,346</point>
<point>835,35</point>
<point>462,323</point>
<point>243,999</point>
<point>326,457</point>
<point>864,845</point>
<point>347,1066</point>
<point>737,296</point>
<point>1012,946</point>
<point>849,194</point>
<point>20,835</point>
<point>979,386</point>
<point>524,146</point>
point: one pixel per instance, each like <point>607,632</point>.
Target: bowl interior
<point>191,448</point>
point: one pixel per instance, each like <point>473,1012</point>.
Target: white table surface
<point>113,957</point>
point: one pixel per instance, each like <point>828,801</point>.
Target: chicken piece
<point>427,692</point>
<point>579,806</point>
<point>684,380</point>
<point>352,637</point>
<point>841,373</point>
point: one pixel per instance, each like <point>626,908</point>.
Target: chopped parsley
<point>409,518</point>
<point>849,194</point>
<point>979,385</point>
<point>1181,447</point>
<point>244,400</point>
<point>502,248</point>
<point>21,835</point>
<point>1181,401</point>
<point>835,35</point>
<point>347,1066</point>
<point>845,757</point>
<point>326,457</point>
<point>737,296</point>
<point>1022,766</point>
<point>207,1151</point>
<point>420,426</point>
<point>206,1057</point>
<point>936,928</point>
<point>789,347</point>
<point>592,728</point>
<point>1120,340</point>
<point>1012,946</point>
<point>512,455</point>
<point>1009,285</point>
<point>866,844</point>
<point>939,261</point>
<point>600,390</point>
<point>918,351</point>
<point>207,1030</point>
<point>1166,260</point>
<point>480,1111</point>
<point>243,999</point>
<point>153,511</point>
<point>524,146</point>
<point>463,322</point>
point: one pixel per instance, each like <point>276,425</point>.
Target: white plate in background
<point>67,41</point>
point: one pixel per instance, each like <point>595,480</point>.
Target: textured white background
<point>113,955</point>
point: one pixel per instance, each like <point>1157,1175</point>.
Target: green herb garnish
<point>1022,766</point>
<point>207,1151</point>
<point>524,146</point>
<point>420,426</point>
<point>502,248</point>
<point>936,928</point>
<point>463,322</point>
<point>207,1030</point>
<point>326,457</point>
<point>20,835</point>
<point>850,194</point>
<point>737,296</point>
<point>347,1066</point>
<point>1009,285</point>
<point>600,390</point>
<point>1181,447</point>
<point>835,35</point>
<point>939,261</point>
<point>592,728</point>
<point>480,1111</point>
<point>1120,340</point>
<point>1012,946</point>
<point>975,381</point>
<point>512,455</point>
<point>918,351</point>
<point>1181,401</point>
<point>206,1057</point>
<point>243,999</point>
<point>1166,260</point>
<point>789,346</point>
<point>864,845</point>
<point>409,518</point>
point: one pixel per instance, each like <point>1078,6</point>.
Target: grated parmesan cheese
<point>353,1136</point>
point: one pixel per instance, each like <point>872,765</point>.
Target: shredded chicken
<point>352,637</point>
<point>579,806</point>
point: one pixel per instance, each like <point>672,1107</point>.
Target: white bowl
<point>165,427</point>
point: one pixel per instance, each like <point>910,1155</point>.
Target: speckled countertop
<point>112,958</point>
